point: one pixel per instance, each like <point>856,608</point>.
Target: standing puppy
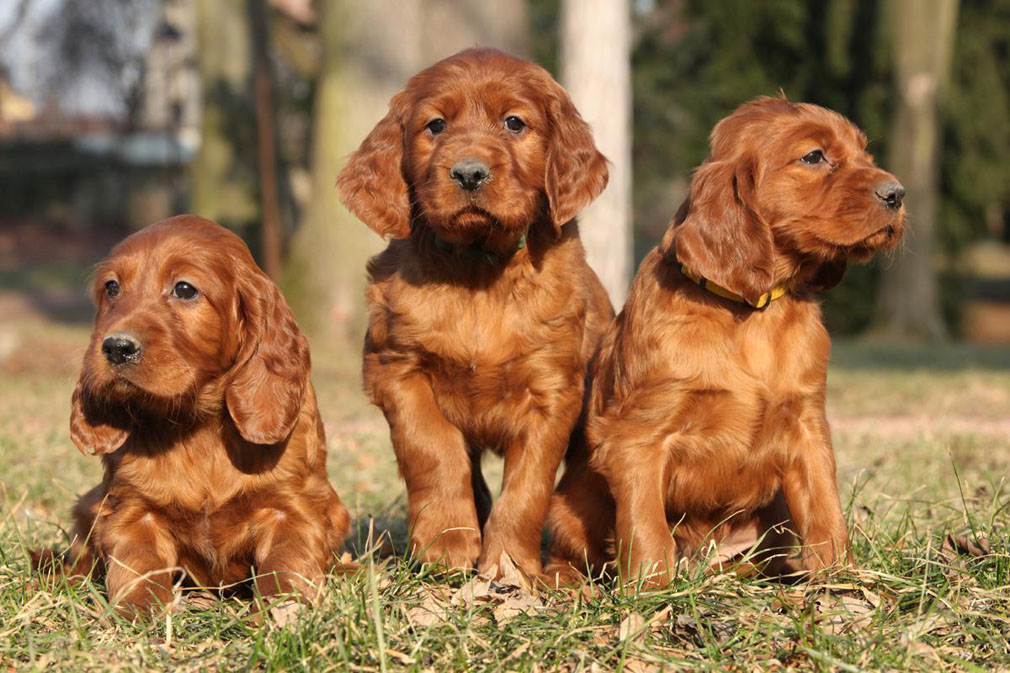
<point>195,391</point>
<point>707,407</point>
<point>483,313</point>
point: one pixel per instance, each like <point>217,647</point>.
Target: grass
<point>923,443</point>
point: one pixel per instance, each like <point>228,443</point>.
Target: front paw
<point>452,547</point>
<point>498,556</point>
<point>558,574</point>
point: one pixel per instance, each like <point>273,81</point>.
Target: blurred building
<point>100,168</point>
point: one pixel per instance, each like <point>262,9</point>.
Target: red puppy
<point>195,390</point>
<point>483,312</point>
<point>707,405</point>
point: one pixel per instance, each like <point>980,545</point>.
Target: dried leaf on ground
<point>632,626</point>
<point>429,612</point>
<point>201,600</point>
<point>964,545</point>
<point>843,613</point>
<point>286,614</point>
<point>514,605</point>
<point>477,588</point>
<point>511,594</point>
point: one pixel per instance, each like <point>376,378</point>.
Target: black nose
<point>891,193</point>
<point>470,174</point>
<point>120,348</point>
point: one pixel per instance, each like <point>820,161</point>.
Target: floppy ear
<point>576,171</point>
<point>267,389</point>
<point>94,429</point>
<point>371,184</point>
<point>720,237</point>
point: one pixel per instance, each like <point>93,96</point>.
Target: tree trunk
<point>271,229</point>
<point>923,34</point>
<point>223,174</point>
<point>450,26</point>
<point>596,70</point>
<point>370,49</point>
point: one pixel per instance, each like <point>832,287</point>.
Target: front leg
<point>645,547</point>
<point>433,459</point>
<point>292,553</point>
<point>811,492</point>
<point>517,518</point>
<point>141,562</point>
<point>580,520</point>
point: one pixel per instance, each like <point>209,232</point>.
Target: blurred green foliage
<point>695,61</point>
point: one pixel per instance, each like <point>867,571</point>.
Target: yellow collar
<point>705,284</point>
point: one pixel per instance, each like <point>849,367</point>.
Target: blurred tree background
<point>116,113</point>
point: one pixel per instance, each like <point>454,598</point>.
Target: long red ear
<point>576,171</point>
<point>721,237</point>
<point>371,185</point>
<point>94,429</point>
<point>268,387</point>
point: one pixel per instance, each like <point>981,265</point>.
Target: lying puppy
<point>707,407</point>
<point>483,313</point>
<point>195,390</point>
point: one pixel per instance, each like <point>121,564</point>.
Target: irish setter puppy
<point>706,413</point>
<point>483,313</point>
<point>195,391</point>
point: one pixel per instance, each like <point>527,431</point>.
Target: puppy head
<point>479,143</point>
<point>786,184</point>
<point>186,323</point>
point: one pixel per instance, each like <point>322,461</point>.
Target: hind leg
<point>80,560</point>
<point>759,544</point>
<point>338,527</point>
<point>581,525</point>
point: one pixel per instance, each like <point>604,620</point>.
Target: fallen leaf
<point>510,594</point>
<point>631,626</point>
<point>285,615</point>
<point>201,600</point>
<point>963,545</point>
<point>429,612</point>
<point>513,606</point>
<point>511,576</point>
<point>476,588</point>
<point>843,613</point>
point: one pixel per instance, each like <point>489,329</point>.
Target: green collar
<point>475,251</point>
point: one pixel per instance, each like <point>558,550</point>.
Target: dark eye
<point>111,289</point>
<point>812,158</point>
<point>514,124</point>
<point>184,290</point>
<point>436,126</point>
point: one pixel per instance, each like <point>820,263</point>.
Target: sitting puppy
<point>195,390</point>
<point>706,413</point>
<point>483,313</point>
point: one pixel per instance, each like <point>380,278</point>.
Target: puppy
<point>195,391</point>
<point>483,313</point>
<point>707,406</point>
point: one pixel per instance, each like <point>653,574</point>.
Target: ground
<point>923,443</point>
